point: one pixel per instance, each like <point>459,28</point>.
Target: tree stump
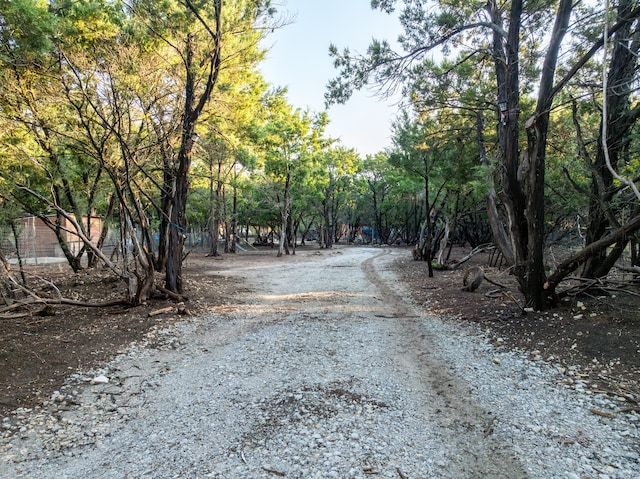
<point>472,278</point>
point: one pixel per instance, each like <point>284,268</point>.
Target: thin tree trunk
<point>234,217</point>
<point>284,216</point>
<point>16,239</point>
<point>105,230</point>
<point>215,210</point>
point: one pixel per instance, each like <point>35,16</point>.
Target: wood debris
<point>602,413</point>
<point>157,312</point>
<point>273,471</point>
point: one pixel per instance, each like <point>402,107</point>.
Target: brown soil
<point>597,336</point>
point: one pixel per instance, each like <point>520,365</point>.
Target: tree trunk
<point>16,240</point>
<point>333,218</point>
<point>284,217</point>
<point>225,220</point>
<point>523,176</point>
<point>6,281</point>
<point>192,109</point>
<point>328,234</point>
<point>537,128</point>
<point>443,242</point>
<point>92,260</point>
<point>293,233</point>
<point>234,217</point>
<point>215,210</point>
<point>507,75</point>
<point>500,237</point>
<point>620,121</point>
<point>426,235</point>
<point>166,203</point>
<point>178,229</point>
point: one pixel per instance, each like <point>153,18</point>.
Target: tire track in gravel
<point>447,400</point>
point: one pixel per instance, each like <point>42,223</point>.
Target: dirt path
<point>323,369</point>
<point>447,399</point>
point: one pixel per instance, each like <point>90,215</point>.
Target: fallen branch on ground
<point>157,312</point>
<point>15,316</point>
<point>401,474</point>
<point>273,471</point>
<point>70,302</point>
<point>584,285</point>
<point>176,297</point>
<point>495,283</point>
<point>597,412</point>
<point>628,269</point>
<point>477,250</point>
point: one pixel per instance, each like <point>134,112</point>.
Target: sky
<point>298,58</point>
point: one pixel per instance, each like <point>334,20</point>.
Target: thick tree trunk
<point>192,109</point>
<point>512,194</point>
<point>523,176</point>
<point>178,229</point>
<point>537,128</point>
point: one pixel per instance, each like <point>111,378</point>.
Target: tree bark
<point>537,129</point>
<point>500,237</point>
<point>620,121</point>
<point>234,215</point>
<point>192,109</point>
<point>284,217</point>
<point>523,176</point>
<point>215,202</point>
<point>507,75</point>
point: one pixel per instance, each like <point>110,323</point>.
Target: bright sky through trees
<point>299,59</point>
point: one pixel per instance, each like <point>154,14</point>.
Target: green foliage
<point>86,23</point>
<point>26,31</point>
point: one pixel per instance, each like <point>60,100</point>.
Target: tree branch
<point>566,267</point>
<point>594,49</point>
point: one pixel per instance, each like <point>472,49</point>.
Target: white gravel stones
<point>323,373</point>
<point>101,379</point>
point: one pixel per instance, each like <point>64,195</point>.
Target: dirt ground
<point>598,337</point>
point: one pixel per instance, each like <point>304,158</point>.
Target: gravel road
<point>323,370</point>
